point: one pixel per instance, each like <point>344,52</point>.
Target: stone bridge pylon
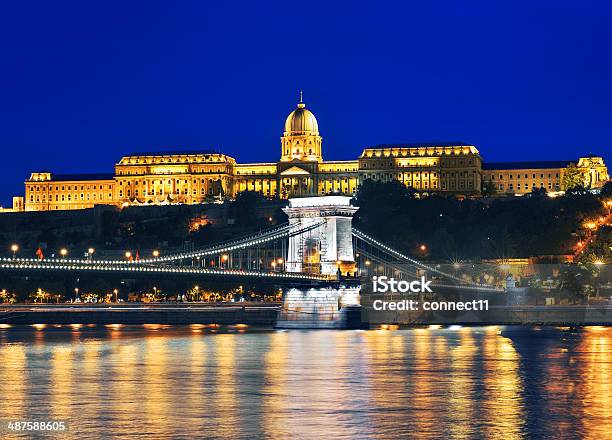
<point>328,248</point>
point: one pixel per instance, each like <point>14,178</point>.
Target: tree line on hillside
<point>453,229</point>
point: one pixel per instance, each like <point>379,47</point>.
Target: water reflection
<point>156,382</point>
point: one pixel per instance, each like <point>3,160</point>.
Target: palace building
<point>523,177</point>
<point>153,178</point>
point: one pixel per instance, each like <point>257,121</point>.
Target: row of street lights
<point>90,252</point>
<point>115,292</point>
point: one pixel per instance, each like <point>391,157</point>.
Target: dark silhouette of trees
<point>455,229</point>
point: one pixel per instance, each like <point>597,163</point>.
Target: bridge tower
<point>327,248</point>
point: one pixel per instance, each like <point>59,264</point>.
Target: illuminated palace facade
<point>200,176</point>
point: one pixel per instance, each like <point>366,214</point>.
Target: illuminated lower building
<point>524,177</point>
<point>154,178</point>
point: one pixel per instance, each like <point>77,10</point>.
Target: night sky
<point>84,83</point>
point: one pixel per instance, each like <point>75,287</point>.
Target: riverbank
<point>265,315</point>
<point>255,314</point>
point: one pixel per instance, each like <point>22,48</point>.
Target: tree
<point>606,190</point>
<point>488,189</point>
<point>244,208</point>
<point>538,192</point>
<point>572,178</point>
<point>7,297</point>
<point>40,295</point>
<point>577,281</point>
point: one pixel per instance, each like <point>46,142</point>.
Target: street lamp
<point>63,252</point>
<point>90,252</point>
<point>116,292</point>
<point>128,255</point>
<point>76,293</point>
<point>14,249</point>
<point>423,247</point>
<point>156,253</point>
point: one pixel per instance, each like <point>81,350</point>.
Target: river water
<point>199,382</point>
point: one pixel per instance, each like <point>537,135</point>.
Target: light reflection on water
<point>160,381</point>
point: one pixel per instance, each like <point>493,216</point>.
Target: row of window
<point>518,176</point>
<point>161,182</point>
<point>161,192</point>
<point>141,172</point>
<point>69,197</point>
<point>38,188</point>
<point>526,186</point>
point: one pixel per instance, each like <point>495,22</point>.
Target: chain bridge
<point>317,258</point>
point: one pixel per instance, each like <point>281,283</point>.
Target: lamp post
<point>14,249</point>
<point>63,252</point>
<point>155,253</point>
<point>116,292</point>
<point>76,294</point>
<point>90,253</point>
<point>128,255</point>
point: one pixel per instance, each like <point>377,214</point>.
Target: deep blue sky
<point>83,83</point>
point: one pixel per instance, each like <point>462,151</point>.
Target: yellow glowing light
<point>156,253</point>
<point>14,247</point>
<point>224,257</point>
<point>63,252</point>
<point>128,254</point>
<point>90,251</point>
